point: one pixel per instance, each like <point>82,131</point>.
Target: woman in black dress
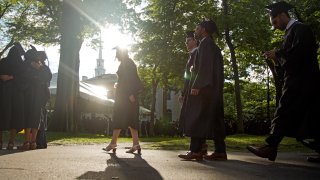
<point>126,107</point>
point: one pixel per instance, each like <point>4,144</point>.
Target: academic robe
<point>187,87</point>
<point>36,93</point>
<point>204,112</point>
<point>12,92</point>
<point>5,97</point>
<point>297,114</point>
<point>125,112</point>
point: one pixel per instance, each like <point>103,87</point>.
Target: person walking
<point>297,114</point>
<point>204,110</point>
<point>126,106</point>
<point>191,44</point>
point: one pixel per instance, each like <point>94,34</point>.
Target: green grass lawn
<point>234,142</point>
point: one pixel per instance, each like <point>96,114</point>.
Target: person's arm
<point>133,83</point>
<point>203,77</point>
<point>303,45</point>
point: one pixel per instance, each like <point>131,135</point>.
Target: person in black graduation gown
<point>41,139</point>
<point>204,110</point>
<point>126,106</point>
<point>11,92</point>
<point>37,76</point>
<point>191,44</point>
<point>5,96</point>
<point>297,114</point>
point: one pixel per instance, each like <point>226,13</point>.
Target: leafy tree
<point>79,20</point>
<point>23,21</point>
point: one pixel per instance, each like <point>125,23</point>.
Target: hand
<point>36,65</point>
<point>270,55</point>
<point>115,85</point>
<point>132,98</point>
<point>6,77</point>
<point>195,91</point>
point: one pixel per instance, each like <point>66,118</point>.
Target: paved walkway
<point>91,162</point>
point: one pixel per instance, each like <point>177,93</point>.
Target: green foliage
<point>165,127</point>
<point>22,21</point>
<point>159,28</point>
<point>254,97</point>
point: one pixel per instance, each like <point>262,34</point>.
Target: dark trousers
<point>274,140</point>
<point>219,144</point>
<point>196,144</point>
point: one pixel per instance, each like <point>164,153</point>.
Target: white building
<point>173,105</point>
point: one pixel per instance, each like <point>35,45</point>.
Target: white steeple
<point>99,70</point>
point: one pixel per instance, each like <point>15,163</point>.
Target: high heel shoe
<point>110,147</point>
<point>134,148</point>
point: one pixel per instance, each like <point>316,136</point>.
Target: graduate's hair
<point>31,55</point>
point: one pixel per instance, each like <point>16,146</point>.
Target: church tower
<point>99,70</point>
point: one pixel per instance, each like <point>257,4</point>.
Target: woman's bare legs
<point>12,136</point>
<point>135,136</point>
<point>27,135</point>
<point>115,135</point>
<point>135,140</point>
<point>33,134</point>
<point>33,138</point>
<point>27,139</point>
<point>113,144</point>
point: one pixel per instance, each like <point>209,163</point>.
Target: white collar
<point>290,23</point>
<point>194,49</point>
<point>203,39</point>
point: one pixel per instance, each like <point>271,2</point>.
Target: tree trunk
<point>155,83</point>
<point>240,128</point>
<point>278,79</point>
<point>164,100</point>
<point>66,108</point>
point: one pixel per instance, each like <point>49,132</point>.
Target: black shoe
<point>41,146</point>
<point>216,157</point>
<point>314,159</point>
<point>314,145</point>
<point>264,151</point>
<point>191,156</point>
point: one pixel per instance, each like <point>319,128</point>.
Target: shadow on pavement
<point>265,169</point>
<point>124,168</point>
<point>4,151</point>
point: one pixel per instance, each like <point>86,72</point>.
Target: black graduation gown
<point>204,112</point>
<point>125,112</point>
<point>187,87</point>
<point>5,97</point>
<point>12,95</point>
<point>35,93</point>
<point>298,112</point>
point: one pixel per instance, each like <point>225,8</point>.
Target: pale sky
<point>111,37</point>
